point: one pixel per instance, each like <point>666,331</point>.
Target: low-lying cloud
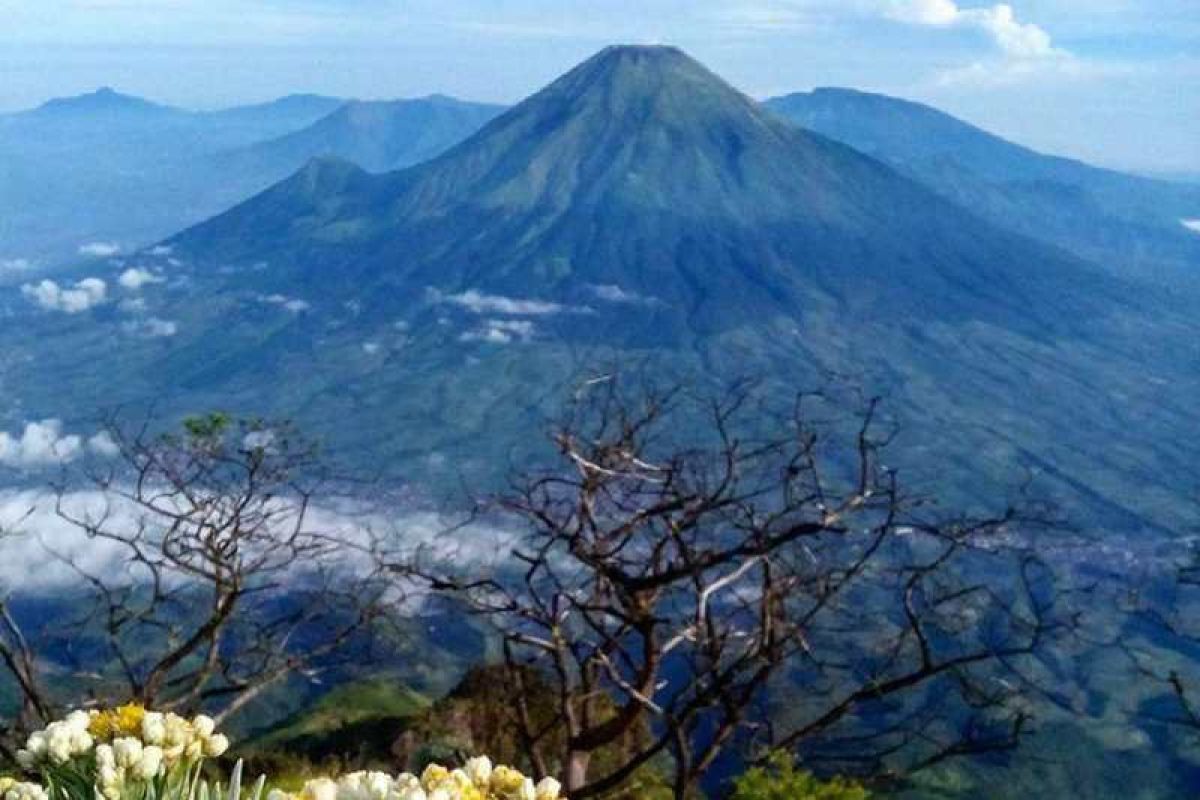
<point>611,293</point>
<point>135,278</point>
<point>501,331</point>
<point>99,249</point>
<point>44,443</point>
<point>478,302</point>
<point>292,304</point>
<point>38,540</point>
<point>1192,225</point>
<point>49,295</point>
<point>152,327</point>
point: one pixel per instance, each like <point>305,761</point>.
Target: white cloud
<point>27,562</point>
<point>501,331</point>
<point>152,328</point>
<point>102,444</point>
<point>611,293</point>
<point>44,443</point>
<point>1191,224</point>
<point>292,304</point>
<point>1024,50</point>
<point>99,249</point>
<point>161,250</point>
<point>480,303</point>
<point>135,278</point>
<point>85,294</point>
<point>370,348</point>
<point>1016,39</point>
<point>15,265</point>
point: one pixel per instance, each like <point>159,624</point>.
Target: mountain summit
<point>103,101</point>
<point>640,169</point>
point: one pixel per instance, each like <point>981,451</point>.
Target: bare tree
<point>1160,635</point>
<point>217,582</point>
<point>720,577</point>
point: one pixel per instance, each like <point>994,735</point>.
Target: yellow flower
<point>117,722</point>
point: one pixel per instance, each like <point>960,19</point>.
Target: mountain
<point>1130,224</point>
<point>643,170</point>
<point>262,121</point>
<point>108,167</point>
<point>103,102</point>
<point>640,210</point>
<point>378,136</point>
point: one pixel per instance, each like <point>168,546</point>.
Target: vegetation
<point>224,585</point>
<point>673,577</point>
<point>780,780</point>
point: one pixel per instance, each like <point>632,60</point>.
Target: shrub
<point>780,780</point>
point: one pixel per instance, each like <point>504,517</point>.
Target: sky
<point>1115,82</point>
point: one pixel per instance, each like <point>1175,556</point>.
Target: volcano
<point>642,170</point>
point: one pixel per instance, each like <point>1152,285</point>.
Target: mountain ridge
<point>1130,224</point>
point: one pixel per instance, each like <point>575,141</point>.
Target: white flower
<point>105,757</point>
<point>319,789</point>
<point>548,789</point>
<point>59,747</point>
<point>279,794</point>
<point>128,751</point>
<point>204,726</point>
<point>479,770</point>
<point>177,731</point>
<point>527,791</point>
<point>81,741</point>
<point>216,745</point>
<point>37,744</point>
<point>412,793</point>
<point>154,728</point>
<point>107,776</point>
<point>440,794</point>
<point>79,720</point>
<point>150,763</point>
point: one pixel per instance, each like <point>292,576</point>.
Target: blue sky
<point>1115,82</point>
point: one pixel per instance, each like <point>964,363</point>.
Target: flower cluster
<point>12,789</point>
<point>476,780</point>
<point>117,753</point>
<point>129,753</point>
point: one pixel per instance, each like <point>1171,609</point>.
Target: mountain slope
<point>1132,225</point>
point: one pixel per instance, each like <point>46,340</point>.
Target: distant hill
<point>377,136</point>
<point>109,167</point>
<point>104,102</point>
<point>1130,224</point>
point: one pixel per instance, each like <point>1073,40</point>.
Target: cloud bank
<point>478,302</point>
<point>49,295</point>
<point>43,444</point>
